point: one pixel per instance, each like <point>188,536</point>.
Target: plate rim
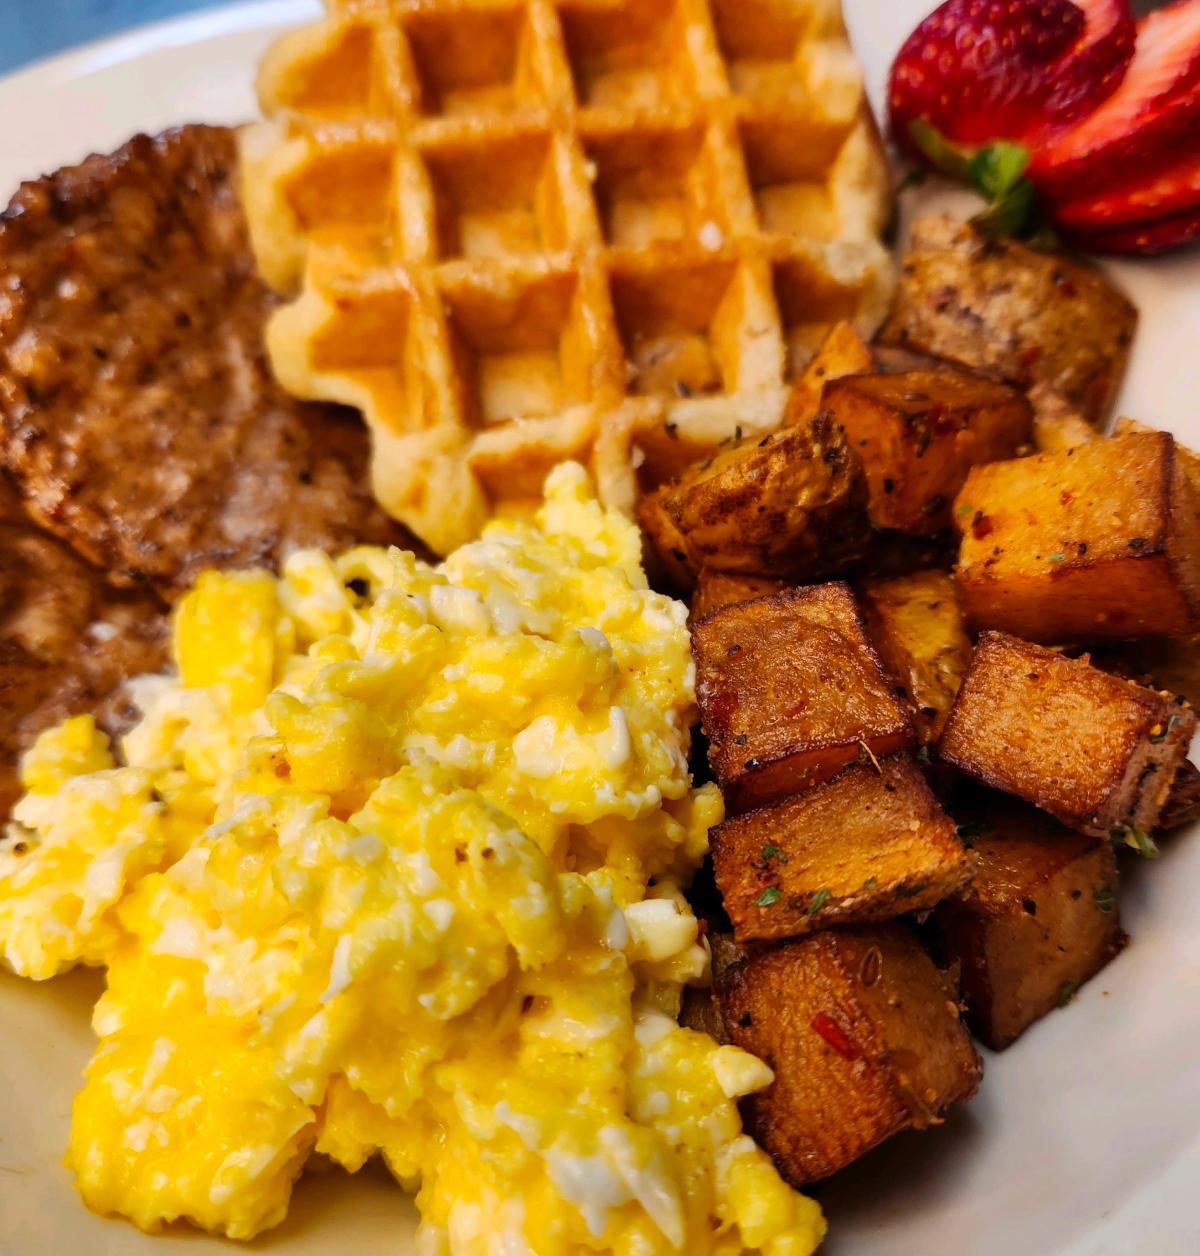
<point>208,22</point>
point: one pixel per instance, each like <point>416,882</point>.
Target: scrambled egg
<point>392,866</point>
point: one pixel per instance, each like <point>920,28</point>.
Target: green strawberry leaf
<point>949,159</point>
<point>1009,214</point>
<point>995,171</point>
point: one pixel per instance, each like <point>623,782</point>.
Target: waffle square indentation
<point>473,60</point>
<point>628,56</point>
<point>519,344</point>
<point>656,182</point>
<point>759,40</point>
<point>679,324</point>
<point>496,196</point>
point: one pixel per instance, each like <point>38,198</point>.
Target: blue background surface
<point>32,29</point>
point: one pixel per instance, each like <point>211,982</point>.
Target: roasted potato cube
<point>842,352</point>
<point>715,589</point>
<point>791,505</point>
<point>1039,918</point>
<point>1188,458</point>
<point>1183,802</point>
<point>919,433</point>
<point>1096,751</point>
<point>1100,541</point>
<point>868,845</point>
<point>791,692</point>
<point>1056,423</point>
<point>665,558</point>
<point>916,625</point>
<point>865,1039</point>
<point>845,352</point>
<point>999,306</point>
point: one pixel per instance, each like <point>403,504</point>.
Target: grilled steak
<point>141,422</point>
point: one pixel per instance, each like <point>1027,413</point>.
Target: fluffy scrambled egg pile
<point>392,866</point>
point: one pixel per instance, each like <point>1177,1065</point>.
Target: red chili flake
<point>1030,356</point>
<point>836,1036</point>
<point>982,525</point>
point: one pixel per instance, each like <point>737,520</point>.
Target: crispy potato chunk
<point>1096,751</point>
<point>868,845</point>
<point>791,692</point>
<point>1028,317</point>
<point>916,625</point>
<point>845,352</point>
<point>1100,541</point>
<point>790,506</point>
<point>864,1036</point>
<point>666,559</point>
<point>715,589</point>
<point>1039,919</point>
<point>1057,424</point>
<point>919,433</point>
<point>842,352</point>
<point>1188,458</point>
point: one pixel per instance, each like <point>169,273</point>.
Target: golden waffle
<point>518,231</point>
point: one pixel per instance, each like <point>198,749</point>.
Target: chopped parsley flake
<point>769,897</point>
<point>1067,993</point>
<point>1137,839</point>
<point>773,852</point>
<point>1104,898</point>
<point>819,899</point>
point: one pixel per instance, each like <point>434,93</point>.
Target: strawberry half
<point>975,69</point>
<point>1092,70</point>
<point>1152,114</point>
<point>1146,238</point>
<point>980,70</point>
<point>1171,191</point>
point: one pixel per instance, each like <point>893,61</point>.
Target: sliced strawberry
<point>1173,190</point>
<point>1155,109</point>
<point>1092,70</point>
<point>1144,238</point>
<point>976,69</point>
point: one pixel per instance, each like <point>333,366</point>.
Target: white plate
<point>1085,1139</point>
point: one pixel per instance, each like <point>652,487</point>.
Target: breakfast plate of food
<point>598,637</point>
